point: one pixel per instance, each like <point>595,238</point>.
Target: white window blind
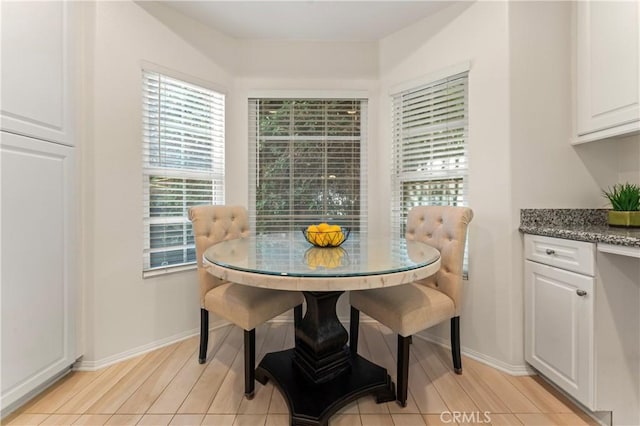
<point>183,165</point>
<point>307,163</point>
<point>429,160</point>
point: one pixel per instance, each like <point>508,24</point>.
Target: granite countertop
<point>577,224</point>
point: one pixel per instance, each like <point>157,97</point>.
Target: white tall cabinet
<point>38,286</point>
<point>607,69</point>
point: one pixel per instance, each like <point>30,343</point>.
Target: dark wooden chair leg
<point>249,363</point>
<point>354,323</point>
<point>403,369</point>
<point>455,345</point>
<point>204,335</point>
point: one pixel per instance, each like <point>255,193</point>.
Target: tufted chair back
<point>212,224</point>
<point>445,228</point>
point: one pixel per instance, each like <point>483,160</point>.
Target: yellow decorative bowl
<point>330,238</point>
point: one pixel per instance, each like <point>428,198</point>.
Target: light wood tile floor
<point>169,387</point>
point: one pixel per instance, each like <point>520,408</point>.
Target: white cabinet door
<point>559,327</point>
<point>37,288</point>
<point>35,96</point>
<point>608,72</point>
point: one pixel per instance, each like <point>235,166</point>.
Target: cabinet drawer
<point>576,256</point>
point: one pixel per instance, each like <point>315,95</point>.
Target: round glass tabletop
<point>353,265</point>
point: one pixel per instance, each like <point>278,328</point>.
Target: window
<point>430,162</point>
<point>307,163</point>
<point>183,165</point>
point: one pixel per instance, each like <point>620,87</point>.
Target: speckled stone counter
<point>577,224</point>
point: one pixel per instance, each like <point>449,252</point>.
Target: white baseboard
<point>512,369</point>
<point>83,365</point>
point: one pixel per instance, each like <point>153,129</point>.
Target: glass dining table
<point>319,375</point>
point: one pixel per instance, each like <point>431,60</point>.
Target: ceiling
<point>315,20</point>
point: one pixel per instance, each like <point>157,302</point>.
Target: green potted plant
<point>625,201</point>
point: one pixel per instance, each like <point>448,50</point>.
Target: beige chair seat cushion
<point>406,309</point>
<point>248,306</point>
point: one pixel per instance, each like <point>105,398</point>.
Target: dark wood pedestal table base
<point>320,375</point>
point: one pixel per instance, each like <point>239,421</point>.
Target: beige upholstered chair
<point>242,305</point>
<point>409,308</point>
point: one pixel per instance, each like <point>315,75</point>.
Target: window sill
<point>168,270</point>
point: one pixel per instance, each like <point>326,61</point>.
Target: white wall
<point>519,129</point>
<point>546,171</point>
<point>307,59</point>
<point>219,47</point>
<point>477,33</point>
<point>125,312</point>
<point>628,159</point>
<point>541,111</point>
<point>611,161</point>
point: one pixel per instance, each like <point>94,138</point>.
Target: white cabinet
<point>38,287</point>
<point>607,69</point>
<point>38,306</point>
<point>36,83</point>
<point>559,314</point>
<point>582,321</point>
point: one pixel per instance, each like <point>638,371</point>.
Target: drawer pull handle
<point>550,251</point>
<point>581,292</point>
